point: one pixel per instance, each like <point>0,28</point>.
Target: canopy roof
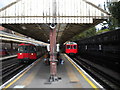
<point>32,17</point>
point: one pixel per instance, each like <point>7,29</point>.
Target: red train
<point>26,52</point>
<point>3,52</point>
<point>71,48</point>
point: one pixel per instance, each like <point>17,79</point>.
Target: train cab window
<point>20,49</point>
<point>74,47</point>
<point>68,47</point>
<point>32,49</point>
<point>26,48</point>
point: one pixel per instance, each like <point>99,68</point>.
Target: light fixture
<point>23,27</point>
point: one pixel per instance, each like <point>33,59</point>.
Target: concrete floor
<point>38,75</point>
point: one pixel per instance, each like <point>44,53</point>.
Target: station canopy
<point>32,17</point>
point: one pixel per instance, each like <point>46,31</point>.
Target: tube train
<point>71,48</point>
<point>8,48</point>
<point>29,52</point>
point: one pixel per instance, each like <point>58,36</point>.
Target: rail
<point>106,80</point>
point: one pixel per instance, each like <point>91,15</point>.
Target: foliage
<point>102,31</point>
<point>114,9</point>
<point>87,33</point>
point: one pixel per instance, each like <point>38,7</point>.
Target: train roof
<point>26,44</point>
<point>71,43</point>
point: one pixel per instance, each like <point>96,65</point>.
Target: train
<point>28,53</point>
<point>8,48</point>
<point>71,48</point>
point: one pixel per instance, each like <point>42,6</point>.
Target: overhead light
<point>53,25</point>
<point>23,27</point>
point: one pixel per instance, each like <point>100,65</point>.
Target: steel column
<point>53,59</point>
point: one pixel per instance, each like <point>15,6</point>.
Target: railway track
<point>103,78</point>
<point>10,69</point>
<point>10,72</point>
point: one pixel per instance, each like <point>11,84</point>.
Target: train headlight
<point>20,53</point>
<point>31,53</point>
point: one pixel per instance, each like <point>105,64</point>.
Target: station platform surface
<point>7,57</point>
<point>38,76</point>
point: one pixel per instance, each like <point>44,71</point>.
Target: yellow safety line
<point>15,80</point>
<point>82,73</point>
<point>19,76</point>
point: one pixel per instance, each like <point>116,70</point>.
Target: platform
<point>37,77</point>
<point>7,57</point>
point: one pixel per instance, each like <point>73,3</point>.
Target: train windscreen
<point>68,47</point>
<point>74,47</point>
<point>26,49</point>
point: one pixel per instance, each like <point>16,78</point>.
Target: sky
<point>5,2</point>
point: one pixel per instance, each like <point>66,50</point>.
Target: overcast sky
<point>6,2</point>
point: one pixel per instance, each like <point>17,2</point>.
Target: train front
<point>71,48</point>
<point>26,53</point>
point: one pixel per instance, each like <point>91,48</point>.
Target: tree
<point>103,31</point>
<point>87,33</point>
<point>114,9</point>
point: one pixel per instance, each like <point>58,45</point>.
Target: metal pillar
<point>53,60</point>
